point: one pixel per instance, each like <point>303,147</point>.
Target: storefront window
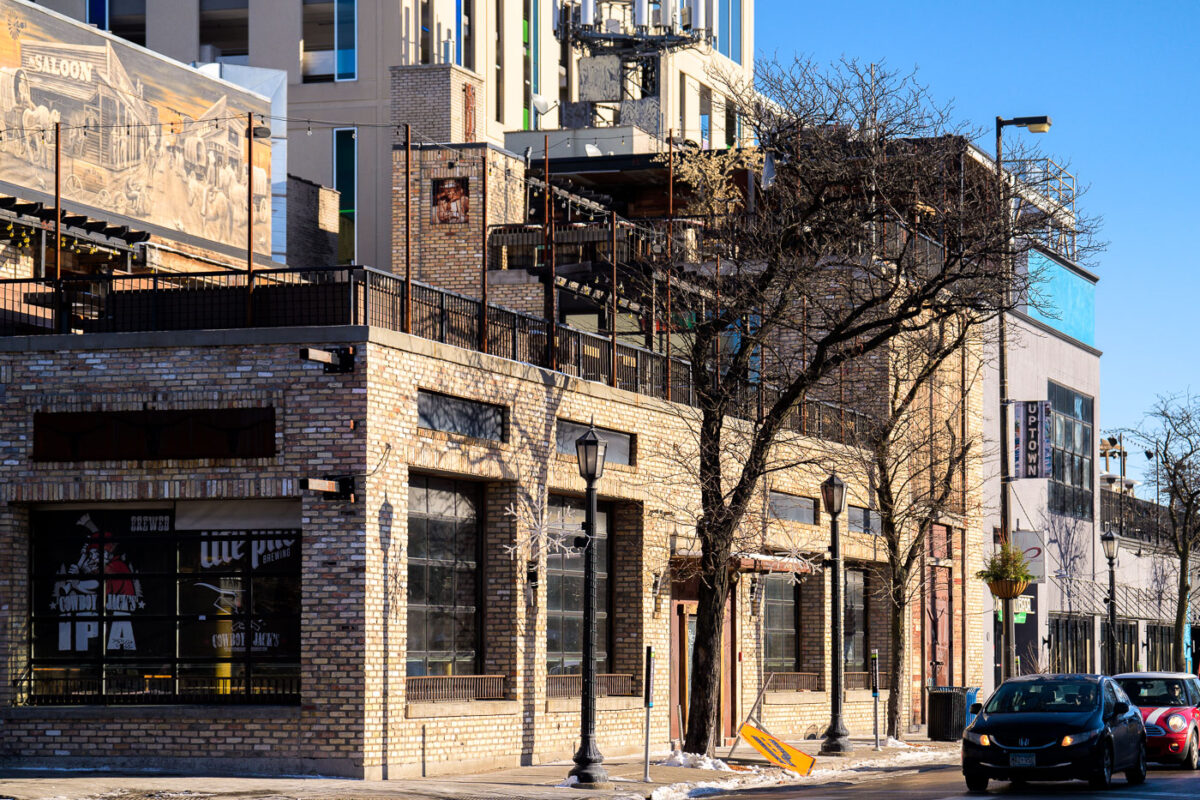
<point>856,621</point>
<point>782,623</point>
<point>127,607</point>
<point>564,588</point>
<point>443,589</point>
<point>1071,455</point>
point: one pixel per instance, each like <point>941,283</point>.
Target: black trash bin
<point>947,712</point>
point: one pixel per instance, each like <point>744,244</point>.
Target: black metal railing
<point>35,688</point>
<point>365,296</point>
<point>1134,517</point>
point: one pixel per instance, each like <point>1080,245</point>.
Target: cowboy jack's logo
<point>80,594</point>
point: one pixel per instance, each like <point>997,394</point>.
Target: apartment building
<point>477,69</point>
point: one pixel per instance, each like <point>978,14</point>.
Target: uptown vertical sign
<point>1032,439</point>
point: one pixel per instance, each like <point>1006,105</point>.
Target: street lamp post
<point>589,763</point>
<point>837,737</point>
<point>1033,125</point>
<point>1109,541</point>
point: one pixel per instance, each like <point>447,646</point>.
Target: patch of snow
<point>895,743</point>
<point>570,781</point>
<point>694,761</point>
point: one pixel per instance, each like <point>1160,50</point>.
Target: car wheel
<point>976,781</point>
<point>1191,758</point>
<point>1102,777</point>
<point>1136,774</point>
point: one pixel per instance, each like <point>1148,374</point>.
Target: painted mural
<point>142,136</point>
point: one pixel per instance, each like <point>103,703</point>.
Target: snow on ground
<point>826,770</point>
<point>695,761</point>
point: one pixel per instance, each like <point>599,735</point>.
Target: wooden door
<point>937,650</point>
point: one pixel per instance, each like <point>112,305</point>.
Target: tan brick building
<point>174,596</point>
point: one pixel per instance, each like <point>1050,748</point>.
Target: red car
<point>1170,706</point>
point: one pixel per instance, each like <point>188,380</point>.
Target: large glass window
<point>225,26</point>
<point>855,627</point>
<point>729,29</point>
<point>443,585</point>
<point>564,588</point>
<point>442,412</point>
<point>345,180</point>
<point>782,622</point>
<point>124,18</point>
<point>128,609</point>
<point>793,507</point>
<point>619,448</point>
<point>864,520</point>
<point>1071,475</point>
<point>330,40</point>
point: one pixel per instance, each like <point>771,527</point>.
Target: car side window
<point>1124,698</point>
<point>1194,692</point>
<point>1110,698</point>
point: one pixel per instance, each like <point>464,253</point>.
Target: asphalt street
<point>946,783</point>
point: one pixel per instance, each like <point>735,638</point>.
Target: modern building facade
<point>476,68</point>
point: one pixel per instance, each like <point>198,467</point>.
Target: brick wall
<point>355,717</point>
<point>312,224</point>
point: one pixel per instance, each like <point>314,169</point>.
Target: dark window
<point>1159,639</point>
<point>564,588</point>
<point>864,520</point>
<point>441,412</point>
<point>1126,646</point>
<point>1071,478</point>
<point>225,25</point>
<point>1070,644</point>
<point>345,180</point>
<point>124,18</point>
<point>793,507</point>
<point>330,40</point>
<point>856,621</point>
<point>127,609</point>
<point>782,624</point>
<point>443,587</point>
<point>154,435</point>
<point>619,448</point>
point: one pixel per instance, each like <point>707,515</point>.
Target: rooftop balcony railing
<point>363,296</point>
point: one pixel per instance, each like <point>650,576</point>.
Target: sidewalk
<point>747,769</point>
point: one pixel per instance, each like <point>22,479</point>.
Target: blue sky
<point>1120,81</point>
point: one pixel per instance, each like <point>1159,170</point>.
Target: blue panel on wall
<point>1067,299</point>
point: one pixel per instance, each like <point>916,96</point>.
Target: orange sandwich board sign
<point>778,752</point>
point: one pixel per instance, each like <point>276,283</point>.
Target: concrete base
<point>598,786</point>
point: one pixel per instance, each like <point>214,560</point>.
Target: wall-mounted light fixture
<point>336,360</point>
<point>334,487</point>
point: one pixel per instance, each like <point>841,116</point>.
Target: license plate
<point>1022,760</point>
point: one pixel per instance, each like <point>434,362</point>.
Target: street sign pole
<point>875,691</point>
<point>648,691</point>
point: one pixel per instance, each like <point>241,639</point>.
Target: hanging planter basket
<point>1007,589</point>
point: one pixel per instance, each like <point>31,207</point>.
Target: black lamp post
<point>589,763</point>
<point>837,737</point>
<point>1109,541</point>
<point>1038,124</point>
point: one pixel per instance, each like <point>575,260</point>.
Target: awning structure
<point>93,241</point>
<point>750,562</point>
<point>1086,596</point>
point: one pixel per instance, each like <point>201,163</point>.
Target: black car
<point>1055,728</point>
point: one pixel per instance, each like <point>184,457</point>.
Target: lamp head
<point>833,494</point>
<point>590,448</point>
<point>1033,124</point>
<point>1108,540</point>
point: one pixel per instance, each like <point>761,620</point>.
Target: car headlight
<point>1079,738</point>
<point>977,738</point>
<point>1176,723</point>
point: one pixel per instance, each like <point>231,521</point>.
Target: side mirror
<point>1121,707</point>
<point>976,708</point>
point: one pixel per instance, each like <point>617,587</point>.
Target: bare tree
<point>916,447</point>
<point>1172,430</point>
<point>879,221</point>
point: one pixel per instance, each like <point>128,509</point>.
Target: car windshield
<point>1053,696</point>
<point>1155,691</point>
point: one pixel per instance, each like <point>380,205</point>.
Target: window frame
<point>605,618</point>
<point>770,664</point>
<point>458,487</point>
<point>772,508</point>
<point>167,583</point>
<point>606,434</point>
<point>500,409</point>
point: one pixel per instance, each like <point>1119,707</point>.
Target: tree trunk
<point>704,696</point>
<point>896,683</point>
<point>1181,608</point>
